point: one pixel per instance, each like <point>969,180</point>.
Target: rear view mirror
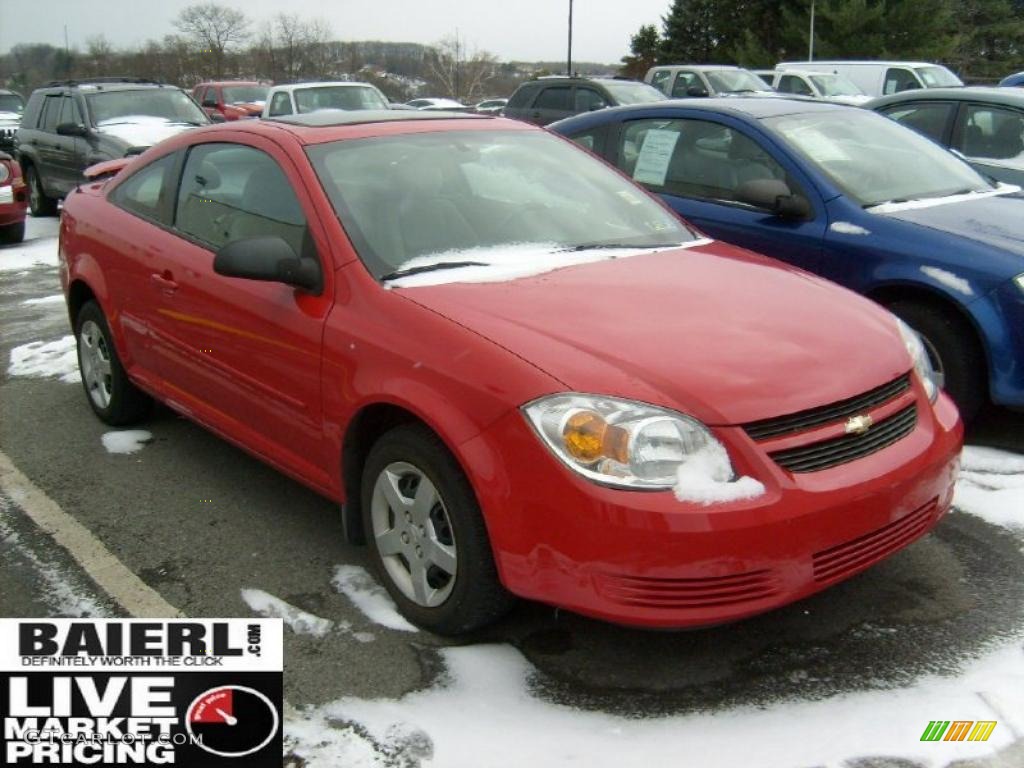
<point>217,117</point>
<point>267,258</point>
<point>71,129</point>
<point>696,91</point>
<point>775,196</point>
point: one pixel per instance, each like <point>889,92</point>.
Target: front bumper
<point>644,558</point>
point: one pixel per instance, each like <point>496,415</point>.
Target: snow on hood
<point>713,330</point>
<point>10,116</point>
<point>497,265</point>
<point>141,130</point>
<point>931,202</point>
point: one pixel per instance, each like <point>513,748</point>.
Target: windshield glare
<point>10,102</point>
<point>835,85</point>
<point>496,192</point>
<point>634,93</point>
<point>245,94</point>
<point>735,81</point>
<point>937,77</point>
<point>875,160</point>
<point>338,97</point>
<point>170,104</point>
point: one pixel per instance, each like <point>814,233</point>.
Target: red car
<point>518,372</point>
<point>13,201</point>
<point>231,99</point>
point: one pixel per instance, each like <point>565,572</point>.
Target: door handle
<point>164,281</point>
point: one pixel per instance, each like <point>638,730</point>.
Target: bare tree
<point>98,56</point>
<point>460,73</point>
<point>215,30</point>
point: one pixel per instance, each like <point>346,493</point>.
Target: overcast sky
<point>511,29</point>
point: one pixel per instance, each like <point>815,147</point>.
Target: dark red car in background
<point>517,371</point>
<point>13,201</point>
<point>231,99</point>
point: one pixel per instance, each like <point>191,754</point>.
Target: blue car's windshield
<point>875,160</point>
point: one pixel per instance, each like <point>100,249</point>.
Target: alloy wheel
<point>94,361</point>
<point>414,534</point>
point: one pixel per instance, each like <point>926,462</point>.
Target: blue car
<point>851,196</point>
<point>1012,80</point>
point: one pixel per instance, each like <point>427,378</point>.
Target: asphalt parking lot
<point>199,521</point>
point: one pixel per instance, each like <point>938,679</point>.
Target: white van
<point>814,84</point>
<point>878,78</point>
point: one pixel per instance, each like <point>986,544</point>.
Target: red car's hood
<point>713,331</point>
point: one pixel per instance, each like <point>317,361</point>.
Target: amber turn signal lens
<point>588,437</point>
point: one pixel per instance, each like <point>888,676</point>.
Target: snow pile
<point>32,253</point>
<point>46,359</point>
<point>992,486</point>
<point>512,262</point>
<point>301,622</point>
<point>486,707</point>
<point>706,477</point>
<point>369,597</point>
<point>57,298</point>
<point>126,441</point>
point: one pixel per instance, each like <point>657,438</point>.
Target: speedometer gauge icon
<point>232,721</point>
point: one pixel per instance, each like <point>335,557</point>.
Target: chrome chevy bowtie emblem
<point>858,425</point>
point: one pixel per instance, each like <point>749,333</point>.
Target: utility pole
<point>810,50</point>
<point>458,65</point>
<point>67,54</point>
<point>568,60</point>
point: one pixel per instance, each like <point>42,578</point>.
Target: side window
<point>661,79</point>
<point>522,97</point>
<point>694,158</point>
<point>146,192</point>
<point>928,118</point>
<point>587,100</point>
<point>554,98</point>
<point>231,191</point>
<point>69,112</point>
<point>683,82</point>
<point>898,79</point>
<point>51,113</point>
<point>794,84</point>
<point>994,134</point>
<point>594,139</point>
<point>281,104</point>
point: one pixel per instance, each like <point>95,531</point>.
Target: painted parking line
<point>112,576</point>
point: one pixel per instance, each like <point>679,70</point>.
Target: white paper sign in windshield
<point>655,155</point>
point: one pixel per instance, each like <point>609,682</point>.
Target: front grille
<point>797,422</point>
<point>652,592</point>
<point>845,559</point>
<point>840,450</point>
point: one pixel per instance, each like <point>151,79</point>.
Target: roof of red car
<point>334,124</point>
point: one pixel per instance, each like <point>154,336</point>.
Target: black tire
<point>955,351</point>
<point>38,201</point>
<point>477,597</point>
<point>127,403</point>
<point>12,233</point>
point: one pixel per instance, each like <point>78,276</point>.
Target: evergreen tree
<point>643,52</point>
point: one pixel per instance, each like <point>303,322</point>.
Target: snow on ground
<point>61,594</point>
<point>57,298</point>
<point>46,359</point>
<point>301,622</point>
<point>32,253</point>
<point>992,486</point>
<point>126,440</point>
<point>369,597</point>
<point>484,710</point>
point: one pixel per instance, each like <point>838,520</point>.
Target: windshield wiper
<point>608,246</point>
<point>430,268</point>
